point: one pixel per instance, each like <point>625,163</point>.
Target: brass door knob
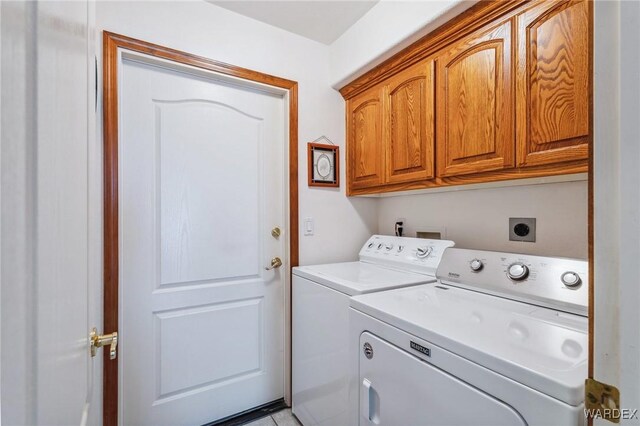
<point>97,341</point>
<point>276,262</point>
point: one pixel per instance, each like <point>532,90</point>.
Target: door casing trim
<point>112,45</point>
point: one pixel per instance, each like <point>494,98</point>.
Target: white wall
<point>479,218</point>
<point>341,224</point>
<point>384,30</point>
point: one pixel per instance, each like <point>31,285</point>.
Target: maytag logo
<point>420,348</point>
<point>453,275</point>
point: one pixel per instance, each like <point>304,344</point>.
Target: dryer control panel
<point>552,282</point>
<point>412,254</point>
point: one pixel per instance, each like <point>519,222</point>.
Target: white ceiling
<point>319,20</point>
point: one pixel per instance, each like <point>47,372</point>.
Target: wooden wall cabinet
<point>409,132</point>
<point>391,130</point>
<point>503,91</point>
<point>553,102</point>
<point>365,153</point>
<point>475,114</point>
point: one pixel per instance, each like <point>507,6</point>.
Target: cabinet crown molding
<point>472,19</point>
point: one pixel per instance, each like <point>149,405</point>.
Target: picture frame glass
<point>323,166</point>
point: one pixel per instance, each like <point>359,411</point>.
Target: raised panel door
<point>201,320</point>
<point>553,103</point>
<point>474,125</point>
<point>364,126</point>
<point>410,124</point>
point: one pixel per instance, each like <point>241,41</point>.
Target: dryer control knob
<point>476,265</point>
<point>423,252</point>
<point>518,271</point>
<point>571,279</point>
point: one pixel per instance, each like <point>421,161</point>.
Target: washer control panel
<point>412,254</point>
<point>558,283</point>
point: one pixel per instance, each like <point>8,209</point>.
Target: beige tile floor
<point>281,418</point>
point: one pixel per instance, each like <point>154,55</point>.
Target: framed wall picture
<point>324,165</point>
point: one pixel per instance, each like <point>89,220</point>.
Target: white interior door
<point>47,105</point>
<point>201,186</point>
<point>616,203</point>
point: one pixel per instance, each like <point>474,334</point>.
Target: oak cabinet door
<point>364,150</point>
<point>474,119</point>
<point>553,83</point>
<point>409,130</point>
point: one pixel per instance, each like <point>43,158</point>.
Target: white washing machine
<point>500,339</point>
<point>320,324</point>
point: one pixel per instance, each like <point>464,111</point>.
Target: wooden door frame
<point>112,43</point>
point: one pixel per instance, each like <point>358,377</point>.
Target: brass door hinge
<point>601,401</point>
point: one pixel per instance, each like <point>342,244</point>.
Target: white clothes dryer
<point>500,339</point>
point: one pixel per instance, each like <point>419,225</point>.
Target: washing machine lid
<point>354,278</point>
<point>541,348</point>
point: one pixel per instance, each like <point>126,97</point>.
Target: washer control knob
<point>400,248</point>
<point>476,265</point>
<point>370,245</point>
<point>518,271</point>
<point>423,252</point>
<point>379,246</point>
<point>389,247</point>
<point>571,279</point>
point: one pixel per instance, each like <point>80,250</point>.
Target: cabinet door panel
<point>553,105</point>
<point>475,115</point>
<point>365,152</point>
<point>410,126</point>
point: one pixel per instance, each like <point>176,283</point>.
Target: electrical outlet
<point>400,226</point>
<point>522,229</point>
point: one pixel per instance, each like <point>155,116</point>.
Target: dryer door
<point>397,388</point>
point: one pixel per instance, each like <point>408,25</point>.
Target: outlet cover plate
<point>522,229</point>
